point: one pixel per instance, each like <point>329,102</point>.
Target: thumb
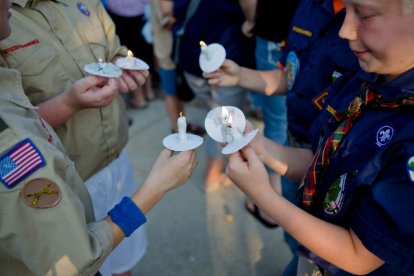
<point>249,154</point>
<point>227,64</point>
<point>165,153</point>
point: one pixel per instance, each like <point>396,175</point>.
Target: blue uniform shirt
<point>321,57</point>
<point>369,184</point>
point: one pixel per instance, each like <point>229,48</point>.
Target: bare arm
<point>89,92</point>
<point>266,82</point>
<point>335,244</point>
<point>168,172</point>
<point>290,162</point>
<point>249,10</point>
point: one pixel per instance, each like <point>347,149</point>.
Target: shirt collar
<point>398,88</point>
<point>21,3</point>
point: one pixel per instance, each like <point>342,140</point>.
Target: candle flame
<point>130,53</point>
<point>230,121</point>
<point>202,43</point>
<point>224,115</point>
<point>181,114</point>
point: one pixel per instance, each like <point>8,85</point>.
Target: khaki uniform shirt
<point>56,234</point>
<point>50,43</point>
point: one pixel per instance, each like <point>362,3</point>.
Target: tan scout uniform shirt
<point>61,239</point>
<point>50,43</point>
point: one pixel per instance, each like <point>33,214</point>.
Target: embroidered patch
<point>302,31</point>
<point>335,76</point>
<point>384,135</point>
<point>83,9</point>
<point>410,168</point>
<point>20,46</point>
<point>292,68</point>
<point>320,99</point>
<point>41,193</point>
<point>334,199</point>
<point>20,162</point>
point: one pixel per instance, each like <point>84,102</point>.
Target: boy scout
<point>313,58</point>
<point>48,224</point>
<point>50,44</point>
<point>47,217</point>
<point>359,187</point>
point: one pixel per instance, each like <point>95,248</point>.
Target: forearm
<point>290,162</point>
<point>55,111</point>
<point>145,198</point>
<point>322,238</point>
<point>249,9</point>
<point>267,82</point>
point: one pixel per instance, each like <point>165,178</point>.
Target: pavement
<point>191,232</point>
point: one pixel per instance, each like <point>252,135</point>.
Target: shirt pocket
<point>43,76</point>
<point>33,60</point>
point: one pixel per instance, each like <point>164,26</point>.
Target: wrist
<point>127,215</point>
<point>148,196</point>
<point>240,76</point>
<point>68,102</point>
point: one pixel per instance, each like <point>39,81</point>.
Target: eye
<point>365,16</point>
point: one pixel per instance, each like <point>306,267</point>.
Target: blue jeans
<point>290,192</point>
<point>273,107</point>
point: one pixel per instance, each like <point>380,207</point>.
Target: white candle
<point>182,128</point>
<point>102,64</point>
<point>130,60</point>
<point>204,50</point>
<point>235,132</point>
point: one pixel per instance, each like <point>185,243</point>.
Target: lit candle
<point>182,128</point>
<point>102,64</point>
<point>204,50</point>
<point>224,115</point>
<point>130,58</point>
<point>226,131</point>
<point>235,132</point>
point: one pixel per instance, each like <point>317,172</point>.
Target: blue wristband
<point>127,216</point>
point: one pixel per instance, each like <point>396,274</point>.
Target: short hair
<point>407,6</point>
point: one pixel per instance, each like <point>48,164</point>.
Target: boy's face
<point>4,19</point>
<point>380,35</point>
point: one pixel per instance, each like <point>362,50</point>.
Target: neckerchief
<point>321,160</point>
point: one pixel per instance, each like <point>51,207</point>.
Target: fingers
<point>249,126</point>
<point>165,153</point>
<point>140,77</point>
<point>123,87</point>
<point>129,81</point>
<point>249,154</point>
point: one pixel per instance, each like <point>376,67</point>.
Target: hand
<point>90,92</point>
<point>258,142</point>
<point>131,79</point>
<point>247,28</point>
<point>247,171</point>
<point>227,75</point>
<point>167,21</point>
<point>171,171</point>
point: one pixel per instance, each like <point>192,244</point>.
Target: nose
<point>349,27</point>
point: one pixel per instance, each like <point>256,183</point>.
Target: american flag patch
<point>20,162</point>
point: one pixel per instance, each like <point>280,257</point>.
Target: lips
<point>359,53</point>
